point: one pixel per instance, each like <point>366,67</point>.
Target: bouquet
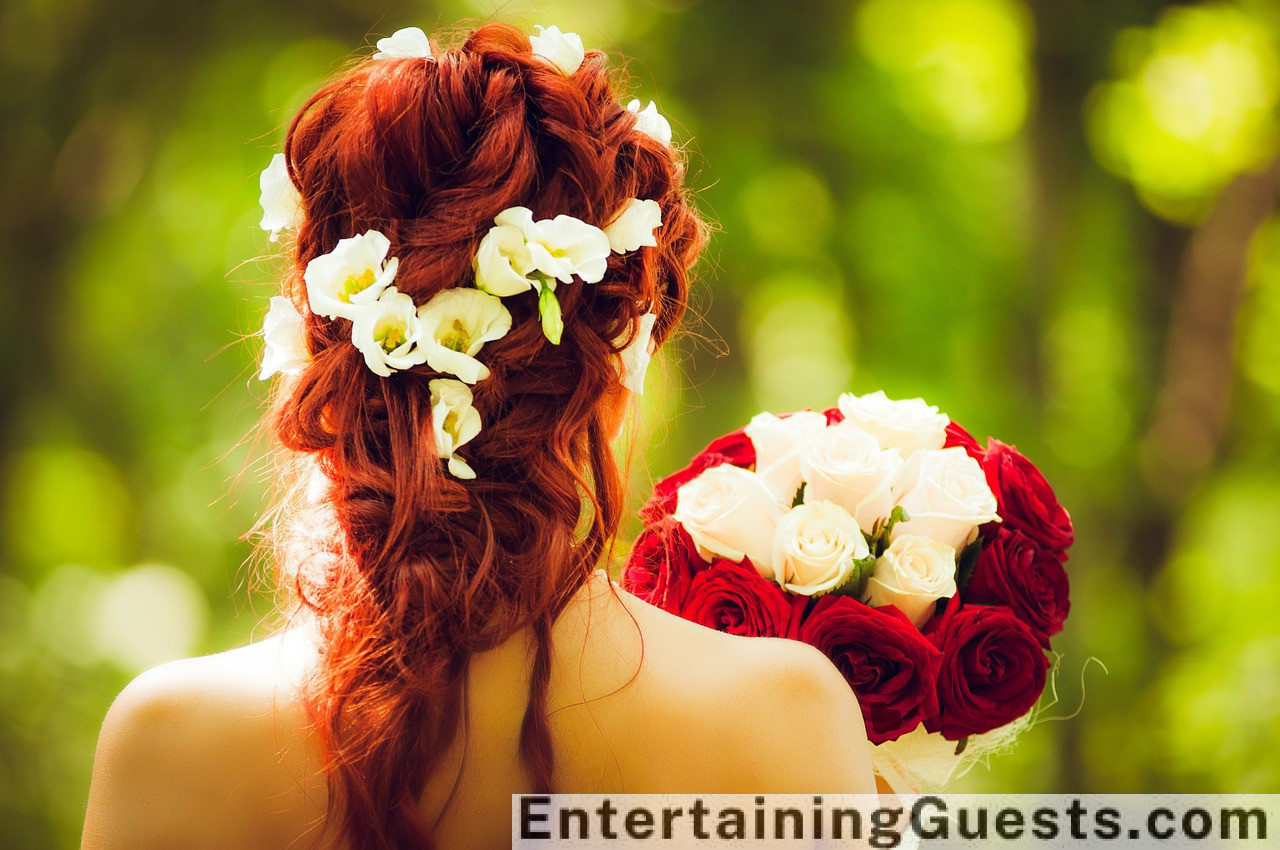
<point>927,567</point>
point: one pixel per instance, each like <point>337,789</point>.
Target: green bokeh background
<point>1053,219</point>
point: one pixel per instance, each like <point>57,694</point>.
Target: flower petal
<point>651,122</point>
<point>562,49</point>
<point>280,201</point>
<point>285,351</point>
<point>634,226</point>
<point>407,43</point>
<point>633,361</point>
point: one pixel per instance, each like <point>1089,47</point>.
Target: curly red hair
<point>414,570</point>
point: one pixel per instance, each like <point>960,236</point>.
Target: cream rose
<point>846,465</point>
<point>730,512</point>
<point>909,425</point>
<point>815,547</point>
<point>779,445</point>
<point>911,575</point>
<point>946,496</point>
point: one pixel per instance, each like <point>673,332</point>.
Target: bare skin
<point>214,751</point>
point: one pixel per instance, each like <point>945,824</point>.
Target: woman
<point>450,639</point>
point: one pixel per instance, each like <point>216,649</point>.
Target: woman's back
<point>215,751</point>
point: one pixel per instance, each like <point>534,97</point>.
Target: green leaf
<point>879,539</point>
<point>963,742</point>
<point>856,582</point>
<point>549,310</point>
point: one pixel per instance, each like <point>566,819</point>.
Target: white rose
<point>730,512</point>
<point>779,445</point>
<point>281,204</point>
<point>815,547</point>
<point>634,226</point>
<point>562,49</point>
<point>455,421</point>
<point>351,275</point>
<point>909,425</point>
<point>911,575</point>
<point>286,345</point>
<point>846,465</point>
<point>455,325</point>
<point>946,496</point>
<point>407,43</point>
<point>650,121</point>
<point>387,332</point>
<point>502,262</point>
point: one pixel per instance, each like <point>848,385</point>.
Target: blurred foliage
<point>993,204</point>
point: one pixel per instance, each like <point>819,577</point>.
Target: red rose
<point>1012,570</point>
<point>735,448</point>
<point>1026,501</point>
<point>993,670</point>
<point>958,436</point>
<point>732,597</point>
<point>661,565</point>
<point>888,663</point>
<point>834,415</point>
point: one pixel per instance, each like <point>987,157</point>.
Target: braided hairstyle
<point>406,570</point>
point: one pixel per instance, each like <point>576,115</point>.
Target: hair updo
<point>406,570</point>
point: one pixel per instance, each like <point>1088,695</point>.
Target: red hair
<point>424,569</point>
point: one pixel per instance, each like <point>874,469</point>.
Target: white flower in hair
<point>651,122</point>
<point>455,421</point>
<point>560,247</point>
<point>281,203</point>
<point>351,275</point>
<point>285,351</point>
<point>407,43</point>
<point>562,49</point>
<point>634,227</point>
<point>387,332</point>
<point>633,361</point>
<point>456,323</point>
<point>502,262</point>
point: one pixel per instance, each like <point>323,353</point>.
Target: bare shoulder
<point>190,750</point>
<point>781,714</point>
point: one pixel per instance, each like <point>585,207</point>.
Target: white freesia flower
<point>455,325</point>
<point>502,262</point>
<point>407,43</point>
<point>909,425</point>
<point>846,465</point>
<point>280,201</point>
<point>560,247</point>
<point>730,512</point>
<point>351,275</point>
<point>634,226</point>
<point>912,575</point>
<point>651,122</point>
<point>562,49</point>
<point>779,445</point>
<point>455,421</point>
<point>815,547</point>
<point>285,351</point>
<point>387,332</point>
<point>633,361</point>
<point>946,496</point>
